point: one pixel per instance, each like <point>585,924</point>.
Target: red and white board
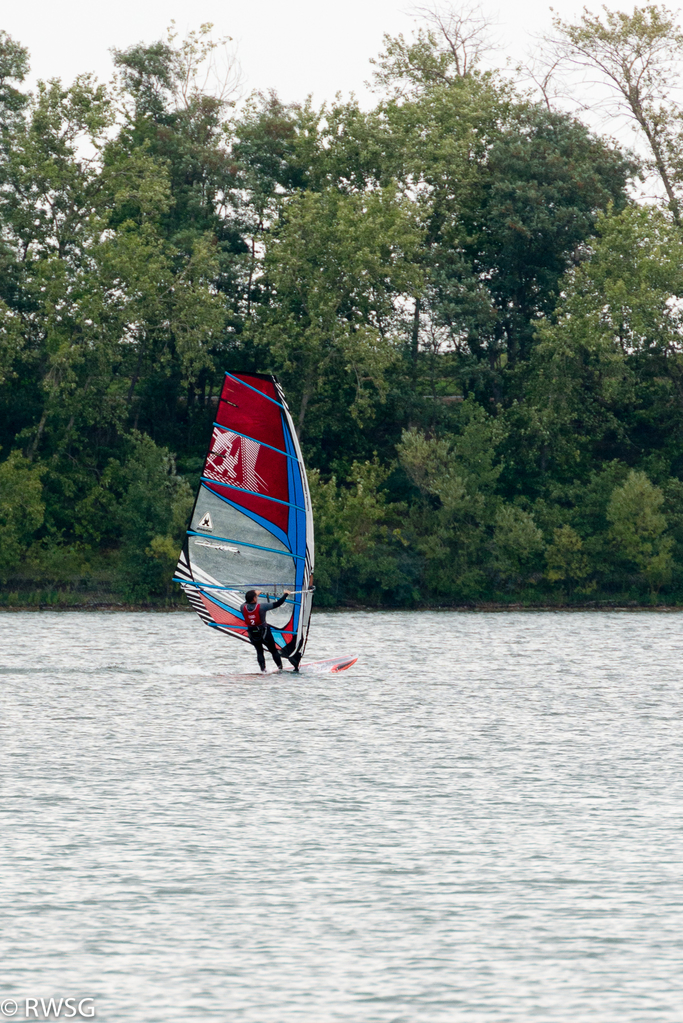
<point>331,665</point>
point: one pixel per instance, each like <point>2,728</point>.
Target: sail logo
<point>217,547</point>
<point>206,523</point>
<point>232,459</point>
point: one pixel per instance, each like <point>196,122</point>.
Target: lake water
<point>480,821</point>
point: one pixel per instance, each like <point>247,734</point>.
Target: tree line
<point>473,300</point>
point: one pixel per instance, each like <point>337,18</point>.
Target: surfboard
<point>329,666</point>
<point>332,664</point>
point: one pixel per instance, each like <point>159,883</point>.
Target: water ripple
<point>479,822</point>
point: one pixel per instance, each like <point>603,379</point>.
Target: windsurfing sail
<point>251,526</point>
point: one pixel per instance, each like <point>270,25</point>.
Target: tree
<point>14,67</point>
<point>478,334</point>
<point>638,56</point>
<point>172,112</point>
<point>360,550</point>
<point>22,510</point>
<point>638,528</point>
<point>451,525</point>
<point>450,46</point>
<point>567,560</point>
<point>506,192</point>
<point>335,265</point>
<point>606,377</point>
<point>517,546</point>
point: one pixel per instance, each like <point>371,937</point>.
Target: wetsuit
<point>260,634</point>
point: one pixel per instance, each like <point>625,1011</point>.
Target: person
<point>258,628</point>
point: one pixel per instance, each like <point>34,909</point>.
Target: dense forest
<point>474,303</point>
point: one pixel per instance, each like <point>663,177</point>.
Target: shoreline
<point>117,607</point>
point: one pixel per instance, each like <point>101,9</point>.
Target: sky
<point>295,48</point>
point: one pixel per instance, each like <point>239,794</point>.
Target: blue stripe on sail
<point>246,436</point>
<point>297,514</point>
<point>292,524</point>
<point>297,497</point>
<point>278,533</point>
<point>255,389</point>
<point>223,625</point>
<point>296,489</point>
<point>277,633</point>
<point>215,586</point>
<point>243,490</point>
<point>243,543</point>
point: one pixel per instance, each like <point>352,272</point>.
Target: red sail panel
<point>263,384</point>
<point>237,459</point>
<point>220,615</point>
<point>244,463</point>
<point>273,512</point>
<point>286,630</point>
<point>286,633</point>
<point>246,411</point>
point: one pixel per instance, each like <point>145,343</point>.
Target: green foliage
<point>451,527</point>
<point>567,560</point>
<point>637,56</point>
<point>22,510</point>
<point>360,550</point>
<point>478,332</point>
<point>154,515</point>
<point>143,506</point>
<point>517,546</point>
<point>460,468</point>
<point>638,528</point>
<point>336,263</point>
<point>607,371</point>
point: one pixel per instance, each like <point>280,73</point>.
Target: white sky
<point>297,47</point>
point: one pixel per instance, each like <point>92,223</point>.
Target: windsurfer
<point>259,632</point>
